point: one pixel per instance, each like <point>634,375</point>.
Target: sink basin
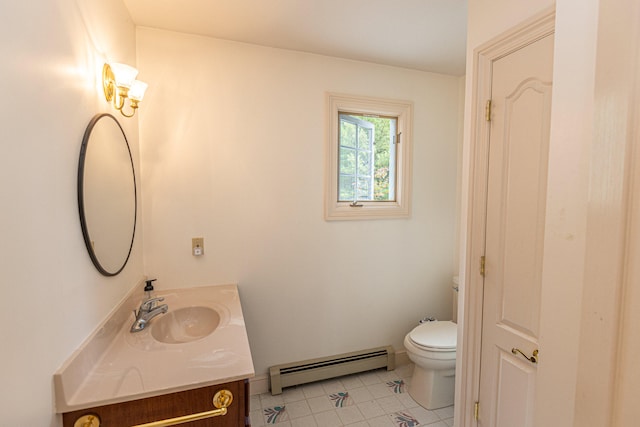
<point>201,340</point>
<point>185,324</point>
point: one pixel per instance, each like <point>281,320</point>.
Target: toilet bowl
<point>431,346</point>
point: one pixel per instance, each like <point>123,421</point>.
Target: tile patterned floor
<point>372,399</point>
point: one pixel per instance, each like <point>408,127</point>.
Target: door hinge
<point>476,409</point>
<point>482,265</point>
<point>487,110</point>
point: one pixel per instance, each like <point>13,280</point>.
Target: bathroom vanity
<point>172,368</point>
<point>170,406</point>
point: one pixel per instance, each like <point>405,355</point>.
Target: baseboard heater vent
<point>307,371</point>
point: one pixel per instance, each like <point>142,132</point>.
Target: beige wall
<point>233,150</point>
<point>52,296</point>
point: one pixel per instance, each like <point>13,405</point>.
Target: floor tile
<point>275,415</point>
<point>269,401</point>
<point>386,376</point>
<point>254,402</point>
<point>332,386</point>
<point>369,378</point>
<point>361,394</point>
<point>397,386</point>
<point>313,390</point>
<point>341,399</point>
<point>380,390</point>
<point>298,409</point>
<point>370,399</point>
<point>383,421</point>
<point>257,418</point>
<point>350,415</point>
<point>444,413</point>
<point>404,418</point>
<point>424,416</point>
<point>391,404</point>
<point>406,400</point>
<point>328,419</point>
<point>370,409</point>
<point>320,404</point>
<point>293,394</point>
<point>308,421</point>
<point>352,381</point>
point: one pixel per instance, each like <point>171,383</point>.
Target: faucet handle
<point>149,304</point>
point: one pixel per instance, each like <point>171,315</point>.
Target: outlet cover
<point>197,246</point>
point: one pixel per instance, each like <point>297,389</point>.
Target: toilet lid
<point>435,335</point>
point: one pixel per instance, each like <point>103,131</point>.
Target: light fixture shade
<point>124,74</point>
<point>137,90</point>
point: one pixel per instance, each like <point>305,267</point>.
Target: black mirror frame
<point>83,221</point>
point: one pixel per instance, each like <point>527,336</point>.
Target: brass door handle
<point>532,359</point>
<point>222,400</point>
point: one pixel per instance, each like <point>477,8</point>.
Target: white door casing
<point>521,324</point>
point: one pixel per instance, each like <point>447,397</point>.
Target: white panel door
<point>516,194</point>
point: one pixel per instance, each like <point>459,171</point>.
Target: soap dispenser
<point>148,288</point>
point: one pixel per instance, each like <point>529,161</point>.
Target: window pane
<point>381,182</point>
<point>364,188</point>
<point>364,163</point>
<point>347,134</point>
<point>367,151</point>
<point>365,138</point>
<point>347,161</point>
<point>346,190</point>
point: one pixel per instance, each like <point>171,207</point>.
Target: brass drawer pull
<point>88,420</point>
<point>222,400</point>
<point>532,359</point>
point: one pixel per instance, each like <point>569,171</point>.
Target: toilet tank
<point>454,289</point>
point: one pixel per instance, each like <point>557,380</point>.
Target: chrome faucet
<point>147,311</point>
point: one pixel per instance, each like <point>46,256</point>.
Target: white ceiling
<point>426,35</point>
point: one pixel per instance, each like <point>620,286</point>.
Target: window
<point>368,158</point>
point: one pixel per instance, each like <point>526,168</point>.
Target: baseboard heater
<point>323,368</point>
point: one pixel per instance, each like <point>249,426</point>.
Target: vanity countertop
<point>114,365</point>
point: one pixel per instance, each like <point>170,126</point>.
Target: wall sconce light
<point>119,84</point>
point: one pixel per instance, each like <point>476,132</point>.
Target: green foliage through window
<point>367,153</point>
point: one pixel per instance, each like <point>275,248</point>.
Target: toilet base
<point>432,389</point>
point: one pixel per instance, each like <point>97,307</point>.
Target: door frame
<point>468,371</point>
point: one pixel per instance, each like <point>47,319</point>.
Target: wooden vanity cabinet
<point>173,405</point>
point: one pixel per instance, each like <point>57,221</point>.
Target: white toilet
<point>431,346</point>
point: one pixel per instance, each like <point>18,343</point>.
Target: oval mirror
<point>107,194</point>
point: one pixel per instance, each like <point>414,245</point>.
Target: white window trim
<point>401,207</point>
